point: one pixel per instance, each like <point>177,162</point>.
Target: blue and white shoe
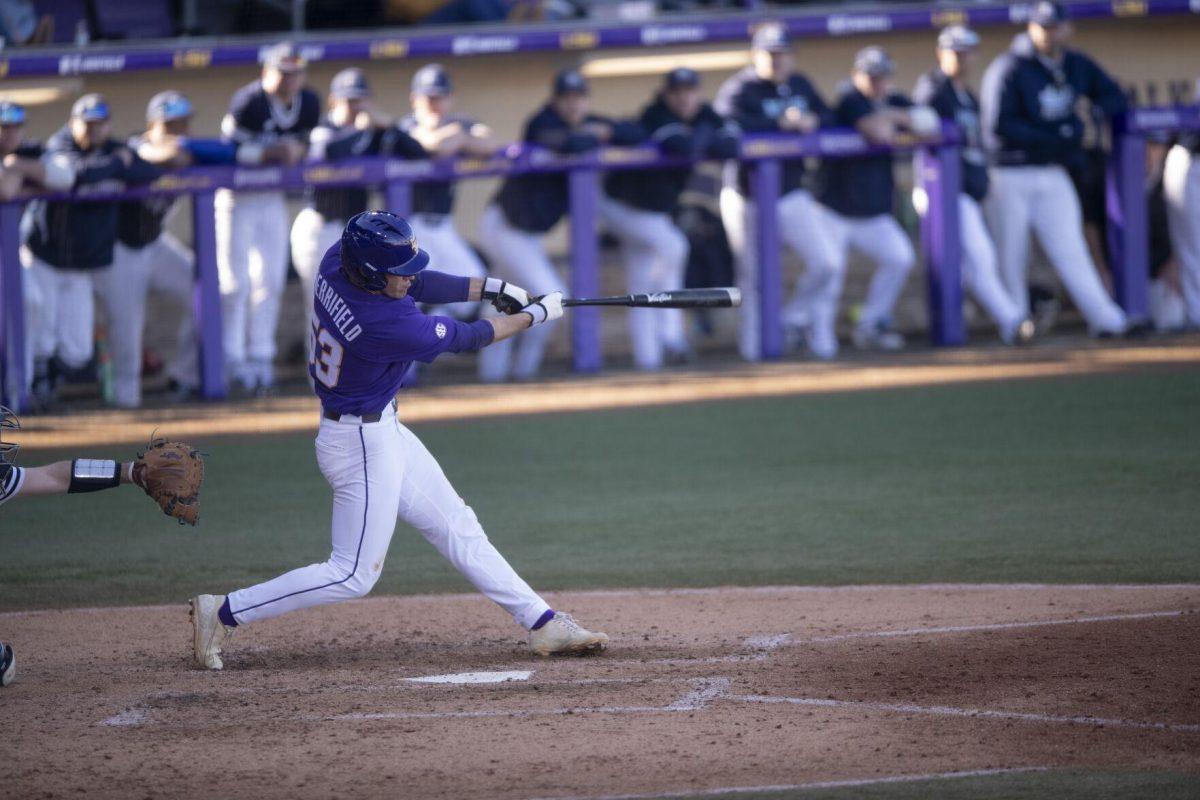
<point>8,664</point>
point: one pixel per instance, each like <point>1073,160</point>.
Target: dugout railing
<point>937,174</point>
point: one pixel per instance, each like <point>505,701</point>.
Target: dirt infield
<point>701,689</point>
<point>920,368</point>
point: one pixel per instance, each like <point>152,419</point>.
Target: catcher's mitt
<point>171,473</point>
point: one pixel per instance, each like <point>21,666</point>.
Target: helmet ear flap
<point>366,279</point>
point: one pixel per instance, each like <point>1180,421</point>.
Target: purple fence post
<point>1127,225</point>
<point>940,177</point>
<point>398,197</point>
<point>12,310</point>
<point>585,268</point>
<point>765,177</point>
<point>206,298</point>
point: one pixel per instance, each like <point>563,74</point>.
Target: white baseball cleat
<point>563,635</point>
<point>207,630</point>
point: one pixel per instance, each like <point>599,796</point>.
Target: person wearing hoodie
<point>638,207</point>
<point>1034,135</point>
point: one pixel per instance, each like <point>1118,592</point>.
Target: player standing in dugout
<point>770,96</point>
<point>1034,134</point>
<point>71,244</point>
<point>252,226</point>
<point>945,89</point>
<point>25,163</point>
<point>512,227</point>
<point>856,196</point>
<point>639,204</point>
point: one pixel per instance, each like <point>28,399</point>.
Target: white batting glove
<point>507,298</point>
<point>546,308</point>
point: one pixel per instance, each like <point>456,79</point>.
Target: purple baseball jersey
<point>364,343</point>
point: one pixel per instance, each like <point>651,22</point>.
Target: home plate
<point>475,677</point>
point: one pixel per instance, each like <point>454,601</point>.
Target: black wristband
<point>92,475</point>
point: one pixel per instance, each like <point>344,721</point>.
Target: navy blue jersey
<point>1028,103</point>
<point>705,135</point>
<point>329,142</point>
<point>140,222</point>
<point>959,105</point>
<point>77,234</point>
<point>433,197</point>
<point>858,187</point>
<point>756,106</point>
<point>254,116</point>
<point>364,343</point>
<point>535,203</point>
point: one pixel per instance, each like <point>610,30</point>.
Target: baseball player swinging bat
<point>676,298</point>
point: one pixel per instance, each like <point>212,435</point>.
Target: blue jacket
<point>1028,105</point>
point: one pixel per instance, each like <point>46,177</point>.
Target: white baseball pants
<point>1043,199</point>
<point>802,228</point>
<point>450,253</point>
<point>32,296</point>
<point>1181,187</point>
<point>67,317</point>
<point>252,238</point>
<point>980,276</point>
<point>520,257</point>
<point>655,253</point>
<point>380,471</point>
<point>164,265</point>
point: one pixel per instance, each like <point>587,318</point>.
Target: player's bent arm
<point>543,309</point>
<point>507,327</point>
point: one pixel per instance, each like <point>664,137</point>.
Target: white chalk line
<point>701,591</point>
<point>973,713</point>
<point>806,787</point>
<point>703,692</point>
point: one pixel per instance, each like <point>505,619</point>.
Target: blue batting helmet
<point>376,244</point>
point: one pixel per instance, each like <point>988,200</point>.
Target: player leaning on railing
<point>171,473</point>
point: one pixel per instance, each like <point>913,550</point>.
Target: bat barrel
<point>727,297</point>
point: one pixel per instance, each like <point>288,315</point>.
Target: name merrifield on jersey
<point>339,313</point>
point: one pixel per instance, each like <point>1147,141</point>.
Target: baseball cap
<point>681,77</point>
<point>432,80</point>
<point>958,38</point>
<point>350,84</point>
<point>166,106</point>
<point>772,37</point>
<point>570,81</point>
<point>284,57</point>
<point>874,61</point>
<point>1047,14</point>
<point>11,113</point>
<point>90,107</point>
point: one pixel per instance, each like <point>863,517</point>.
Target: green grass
<point>1057,784</point>
<point>1092,479</point>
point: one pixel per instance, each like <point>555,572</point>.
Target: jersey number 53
<point>326,356</point>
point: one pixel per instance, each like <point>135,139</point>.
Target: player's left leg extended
<point>1058,221</point>
<point>1181,188</point>
<point>882,240</point>
<point>980,275</point>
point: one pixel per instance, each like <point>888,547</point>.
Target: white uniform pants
<point>164,265</point>
<point>32,296</point>
<point>380,471</point>
<point>450,253</point>
<point>1043,199</point>
<point>1181,187</point>
<point>520,257</point>
<point>252,238</point>
<point>801,227</point>
<point>66,321</point>
<point>655,253</point>
<point>980,276</point>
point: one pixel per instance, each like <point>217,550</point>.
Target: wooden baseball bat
<point>676,298</point>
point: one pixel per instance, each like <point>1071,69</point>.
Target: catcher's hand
<point>171,473</point>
